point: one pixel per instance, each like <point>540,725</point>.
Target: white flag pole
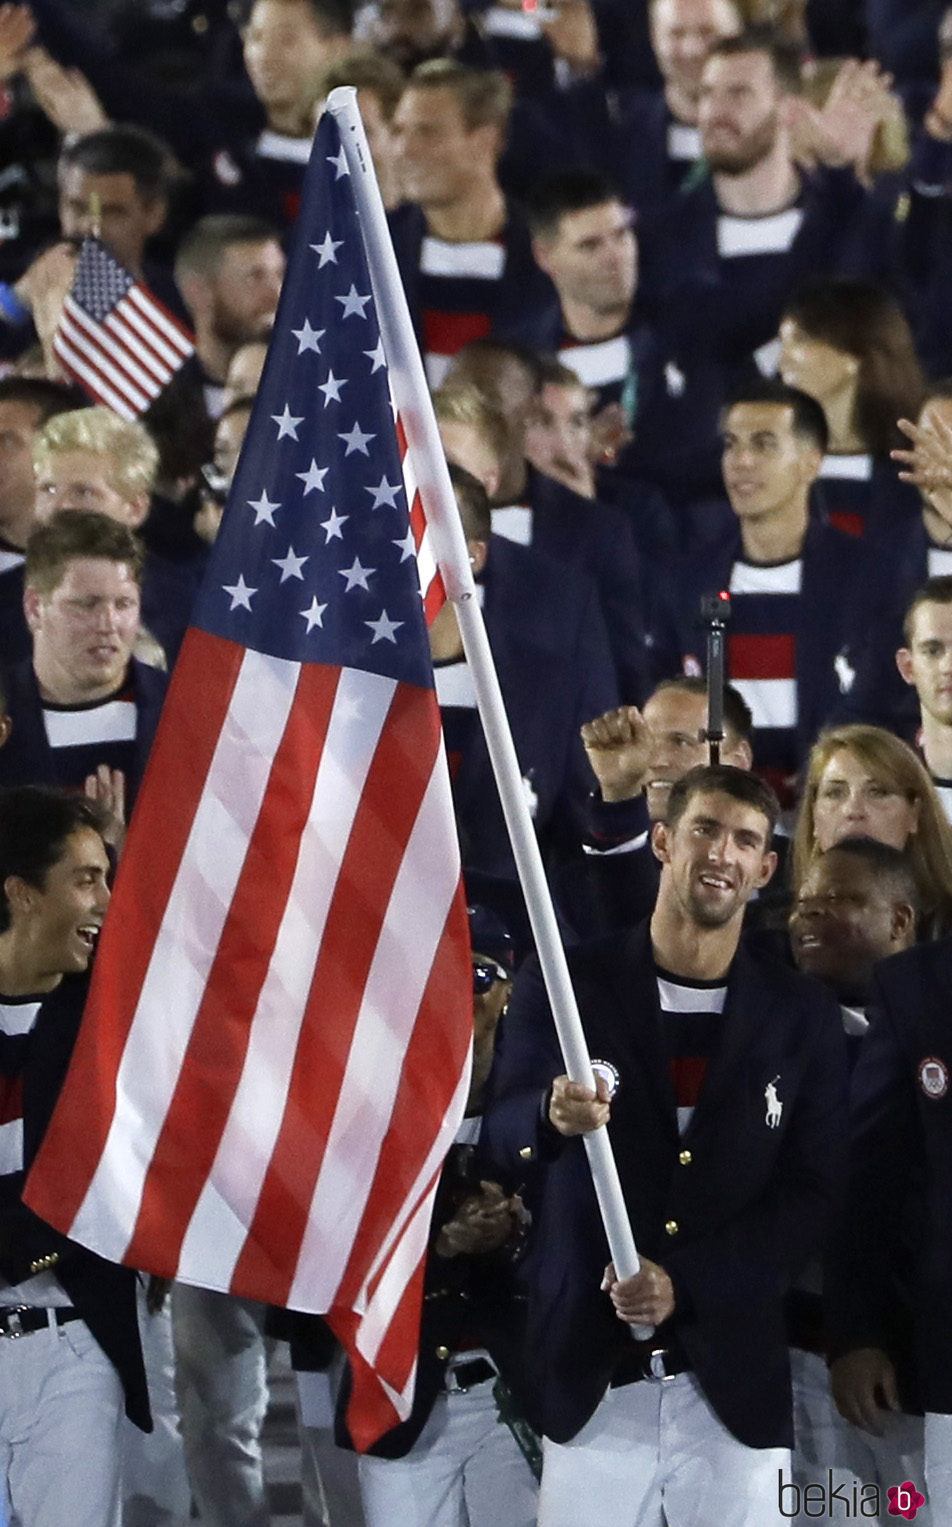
<point>410,392</point>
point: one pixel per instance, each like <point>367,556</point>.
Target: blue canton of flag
<point>99,280</point>
<point>315,559</point>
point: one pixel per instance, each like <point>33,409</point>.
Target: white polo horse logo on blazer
<point>774,1105</point>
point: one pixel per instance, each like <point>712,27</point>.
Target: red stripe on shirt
<point>762,657</point>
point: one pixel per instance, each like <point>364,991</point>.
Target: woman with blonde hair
<point>863,781</point>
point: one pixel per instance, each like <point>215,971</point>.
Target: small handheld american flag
<point>114,337</point>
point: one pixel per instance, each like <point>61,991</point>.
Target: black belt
<point>467,1375</point>
<point>24,1319</point>
<point>651,1363</point>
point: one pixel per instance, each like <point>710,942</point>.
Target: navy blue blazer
<point>596,539</point>
<point>594,125</point>
<point>27,758</point>
<point>737,303</point>
<point>732,1209</point>
<point>841,600</point>
<point>522,285</point>
<point>891,1269</point>
<point>103,1293</point>
<point>555,670</point>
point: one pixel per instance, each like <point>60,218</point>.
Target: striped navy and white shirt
<point>691,1026</point>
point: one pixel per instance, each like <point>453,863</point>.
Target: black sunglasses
<point>485,972</point>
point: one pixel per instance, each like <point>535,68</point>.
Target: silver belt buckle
<point>656,1366</point>
<point>12,1324</point>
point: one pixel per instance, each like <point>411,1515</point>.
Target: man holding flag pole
<point>721,1082</point>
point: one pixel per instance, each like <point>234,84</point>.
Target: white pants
<point>938,1489</point>
<point>61,1405</point>
<point>221,1377</point>
<point>464,1470</point>
<point>155,1487</point>
<point>826,1446</point>
<point>654,1453</point>
<point>330,1487</point>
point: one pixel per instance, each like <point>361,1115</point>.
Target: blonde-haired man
<point>92,459</point>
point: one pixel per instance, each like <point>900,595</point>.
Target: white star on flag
<point>263,508</point>
<point>406,546</point>
<point>339,161</point>
<point>356,575</point>
<point>314,614</point>
<point>313,477</point>
<point>287,423</point>
<point>332,526</point>
<point>377,356</point>
<point>240,593</point>
<point>331,388</point>
<point>356,441</point>
<point>308,338</point>
<point>384,493</point>
<point>352,304</point>
<point>384,628</point>
<point>327,250</point>
<point>290,565</point>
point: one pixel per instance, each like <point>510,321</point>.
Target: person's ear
<point>767,869</point>
<point>903,924</point>
<point>156,212</point>
<point>32,608</point>
<point>19,893</point>
<point>478,552</point>
<point>660,842</point>
<point>904,664</point>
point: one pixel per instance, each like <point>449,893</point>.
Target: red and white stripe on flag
<point>127,358</point>
<point>277,1130</point>
<point>431,580</point>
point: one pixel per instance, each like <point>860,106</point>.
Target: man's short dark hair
<point>473,503</point>
<point>740,784</point>
<point>786,59</point>
<point>891,867</point>
<point>574,190</point>
<point>809,420</point>
<point>333,18</point>
<point>738,716</point>
<point>933,591</point>
<point>75,533</point>
<point>124,150</point>
<point>35,823</point>
<point>45,397</point>
<point>202,249</point>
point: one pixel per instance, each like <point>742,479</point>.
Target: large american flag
<point>275,1056</point>
<point>114,337</point>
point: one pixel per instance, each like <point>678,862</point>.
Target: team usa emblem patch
<point>609,1075</point>
<point>933,1077</point>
